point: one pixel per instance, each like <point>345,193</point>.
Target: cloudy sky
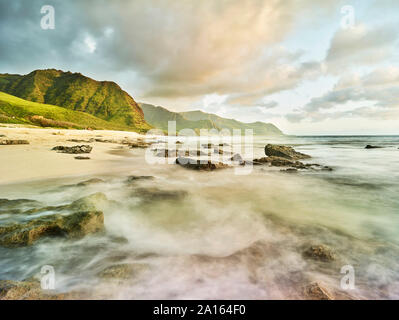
<point>310,67</point>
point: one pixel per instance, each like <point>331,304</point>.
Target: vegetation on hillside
<point>16,110</point>
<point>103,99</point>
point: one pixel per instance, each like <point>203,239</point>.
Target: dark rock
<point>369,146</point>
<point>316,291</point>
<point>155,194</point>
<point>131,179</point>
<point>82,158</point>
<point>84,220</point>
<point>320,253</point>
<point>13,142</point>
<point>123,271</point>
<point>74,149</point>
<point>81,141</point>
<point>90,182</point>
<point>272,150</point>
<point>289,170</point>
<point>201,165</point>
<point>17,206</point>
<point>237,158</point>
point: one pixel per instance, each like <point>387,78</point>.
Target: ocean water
<point>229,235</point>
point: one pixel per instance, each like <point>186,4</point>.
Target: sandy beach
<point>36,160</point>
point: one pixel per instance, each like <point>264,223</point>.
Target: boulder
<point>84,220</point>
<point>74,149</point>
<point>273,150</point>
<point>132,179</point>
<point>320,253</point>
<point>13,142</point>
<point>123,271</point>
<point>317,291</point>
<point>369,146</point>
<point>200,165</point>
<point>237,158</point>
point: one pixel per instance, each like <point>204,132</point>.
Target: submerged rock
<point>273,150</point>
<point>320,252</point>
<point>132,179</point>
<point>74,149</point>
<point>90,182</point>
<point>82,158</point>
<point>84,220</point>
<point>155,194</point>
<point>123,271</point>
<point>316,291</point>
<point>369,146</point>
<point>17,205</point>
<point>13,142</point>
<point>200,165</point>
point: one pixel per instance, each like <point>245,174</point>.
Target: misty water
<point>226,235</point>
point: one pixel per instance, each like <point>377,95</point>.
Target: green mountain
<point>74,91</point>
<point>158,117</point>
<point>17,110</point>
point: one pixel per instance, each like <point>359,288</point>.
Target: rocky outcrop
<point>320,253</point>
<point>74,149</point>
<point>13,142</point>
<point>273,150</point>
<point>123,271</point>
<point>317,291</point>
<point>31,290</point>
<point>200,165</point>
<point>84,220</point>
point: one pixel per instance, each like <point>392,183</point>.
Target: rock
<point>289,170</point>
<point>2,135</point>
<point>320,252</point>
<point>13,142</point>
<point>84,220</point>
<point>82,158</point>
<point>237,158</point>
<point>201,165</point>
<point>284,152</point>
<point>123,271</point>
<point>17,206</point>
<point>316,291</point>
<point>90,182</point>
<point>131,179</point>
<point>30,290</point>
<point>223,145</point>
<point>81,141</point>
<point>74,149</point>
<point>139,144</point>
<point>372,147</point>
<point>166,153</point>
<point>155,194</point>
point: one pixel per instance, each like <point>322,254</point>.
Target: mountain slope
<point>103,99</point>
<point>196,120</point>
<point>17,110</point>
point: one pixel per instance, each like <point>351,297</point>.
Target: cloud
<point>360,45</point>
<point>378,90</point>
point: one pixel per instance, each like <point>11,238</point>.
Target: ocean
<point>226,235</point>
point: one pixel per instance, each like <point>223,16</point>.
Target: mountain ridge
<point>159,116</point>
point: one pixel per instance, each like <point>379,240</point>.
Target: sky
<point>307,66</point>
